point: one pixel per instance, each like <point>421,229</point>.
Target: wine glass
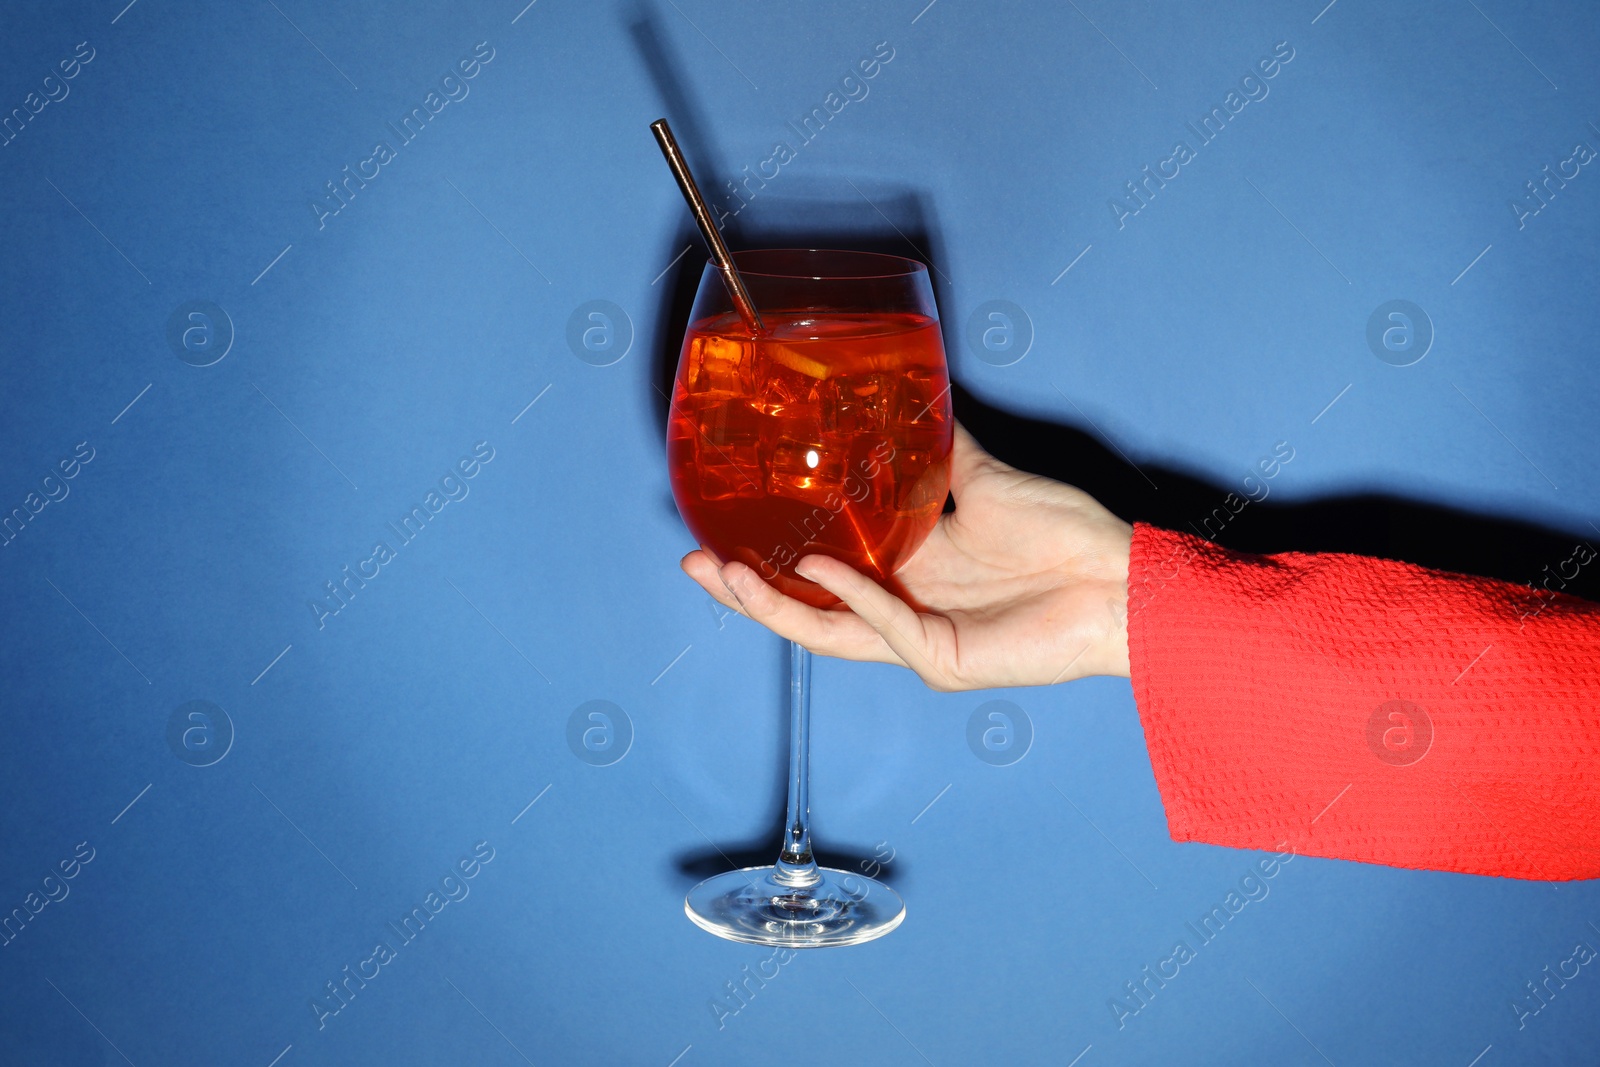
<point>828,431</point>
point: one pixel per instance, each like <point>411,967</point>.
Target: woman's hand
<point>1025,583</point>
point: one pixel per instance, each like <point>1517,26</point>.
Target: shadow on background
<point>1369,524</point>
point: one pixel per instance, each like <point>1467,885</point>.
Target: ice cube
<point>860,403</point>
<point>723,477</point>
<point>720,365</point>
<point>732,422</point>
<point>728,451</point>
<point>921,400</point>
<point>781,391</point>
<point>804,469</point>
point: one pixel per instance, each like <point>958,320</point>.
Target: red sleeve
<point>1367,710</point>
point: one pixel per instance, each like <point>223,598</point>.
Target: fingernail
<point>803,568</point>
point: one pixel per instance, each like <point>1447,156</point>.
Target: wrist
<point>1115,649</point>
<point>1096,637</point>
<point>1117,663</point>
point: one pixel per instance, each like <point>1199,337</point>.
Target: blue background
<point>371,353</point>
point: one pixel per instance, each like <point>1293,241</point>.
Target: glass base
<point>752,906</point>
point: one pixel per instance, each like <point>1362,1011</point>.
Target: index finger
<point>842,634</point>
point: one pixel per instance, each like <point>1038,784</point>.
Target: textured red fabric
<point>1367,710</point>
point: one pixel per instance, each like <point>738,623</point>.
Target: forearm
<point>1367,710</point>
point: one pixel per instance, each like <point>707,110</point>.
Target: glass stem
<point>796,867</point>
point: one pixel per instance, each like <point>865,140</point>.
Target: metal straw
<point>708,229</point>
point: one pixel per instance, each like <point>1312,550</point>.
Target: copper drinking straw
<point>708,229</point>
